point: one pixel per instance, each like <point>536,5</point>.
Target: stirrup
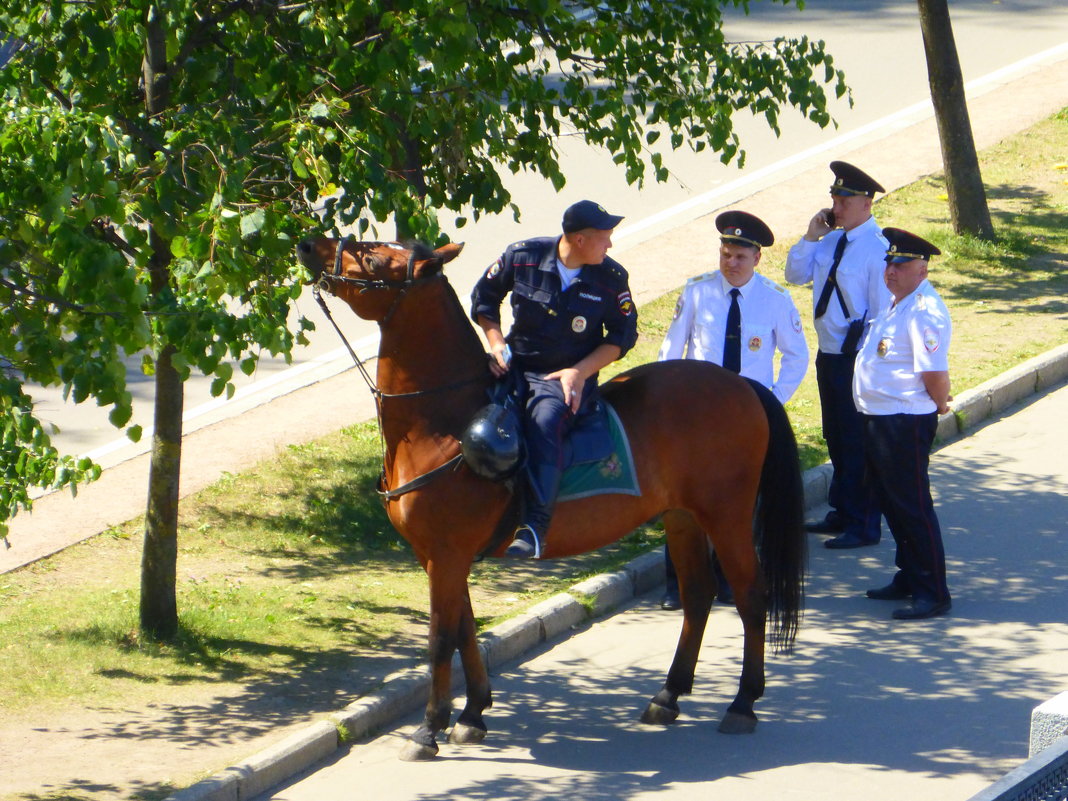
<point>525,545</point>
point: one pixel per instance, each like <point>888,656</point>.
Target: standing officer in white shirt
<point>769,321</point>
<point>846,270</point>
<point>737,318</point>
<point>900,386</point>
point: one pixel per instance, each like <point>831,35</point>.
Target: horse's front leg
<point>448,600</point>
<point>469,727</point>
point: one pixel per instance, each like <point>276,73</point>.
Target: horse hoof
<point>659,715</point>
<point>462,734</point>
<point>734,723</point>
<point>418,752</point>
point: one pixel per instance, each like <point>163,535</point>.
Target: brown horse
<point>715,454</point>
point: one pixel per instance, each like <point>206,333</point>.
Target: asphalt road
<point>866,707</point>
<point>876,42</point>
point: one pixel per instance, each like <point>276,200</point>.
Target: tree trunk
<point>159,558</point>
<point>964,183</point>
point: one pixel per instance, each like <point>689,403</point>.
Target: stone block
<point>646,571</point>
<point>221,787</point>
<point>972,407</point>
<point>510,639</point>
<point>1049,722</point>
<point>605,592</point>
<point>274,765</point>
<point>559,615</point>
<point>401,693</point>
<point>817,482</point>
<point>1051,368</point>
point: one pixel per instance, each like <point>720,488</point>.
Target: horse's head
<point>370,275</point>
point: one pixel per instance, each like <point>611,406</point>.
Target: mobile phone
<point>829,217</point>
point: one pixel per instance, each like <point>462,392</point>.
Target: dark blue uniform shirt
<point>555,328</point>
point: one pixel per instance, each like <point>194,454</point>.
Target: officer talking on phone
<point>842,254</point>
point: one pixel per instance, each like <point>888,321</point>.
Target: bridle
<point>373,284</point>
<point>364,285</point>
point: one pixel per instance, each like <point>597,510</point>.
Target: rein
<point>366,284</point>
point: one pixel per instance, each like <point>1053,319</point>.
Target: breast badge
<point>755,343</point>
<point>578,324</point>
<point>884,346</point>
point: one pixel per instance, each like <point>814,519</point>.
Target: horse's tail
<point>779,524</point>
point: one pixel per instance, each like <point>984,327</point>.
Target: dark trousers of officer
<point>547,422</point>
<point>898,448</point>
<point>842,429</point>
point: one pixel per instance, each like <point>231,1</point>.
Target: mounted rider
<point>572,315</point>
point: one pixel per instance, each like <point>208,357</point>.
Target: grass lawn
<point>292,569</point>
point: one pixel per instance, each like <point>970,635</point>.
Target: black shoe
<point>671,601</point>
<point>843,541</point>
<point>831,524</point>
<point>922,608</point>
<point>526,545</point>
<point>891,592</point>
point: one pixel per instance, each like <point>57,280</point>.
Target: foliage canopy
<point>158,160</point>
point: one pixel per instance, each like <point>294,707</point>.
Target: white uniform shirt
<point>909,338</point>
<point>859,276</point>
<point>769,321</point>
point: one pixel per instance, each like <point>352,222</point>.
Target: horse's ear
<point>430,261</point>
<point>449,252</point>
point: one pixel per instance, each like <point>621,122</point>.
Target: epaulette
<point>702,277</point>
<point>773,285</point>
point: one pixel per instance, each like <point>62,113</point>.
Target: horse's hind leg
<point>739,561</point>
<point>469,727</point>
<point>689,553</point>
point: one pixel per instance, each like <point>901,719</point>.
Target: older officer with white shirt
<point>841,253</point>
<point>900,386</point>
<point>737,318</point>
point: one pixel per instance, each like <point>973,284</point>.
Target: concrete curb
<point>406,691</point>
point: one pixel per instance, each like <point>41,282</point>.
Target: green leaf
<point>252,223</point>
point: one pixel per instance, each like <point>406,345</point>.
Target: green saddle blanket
<point>612,474</point>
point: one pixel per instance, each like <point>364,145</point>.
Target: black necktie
<point>732,341</point>
<point>832,278</point>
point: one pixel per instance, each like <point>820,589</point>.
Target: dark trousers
<point>854,499</point>
<point>547,421</point>
<point>898,448</point>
